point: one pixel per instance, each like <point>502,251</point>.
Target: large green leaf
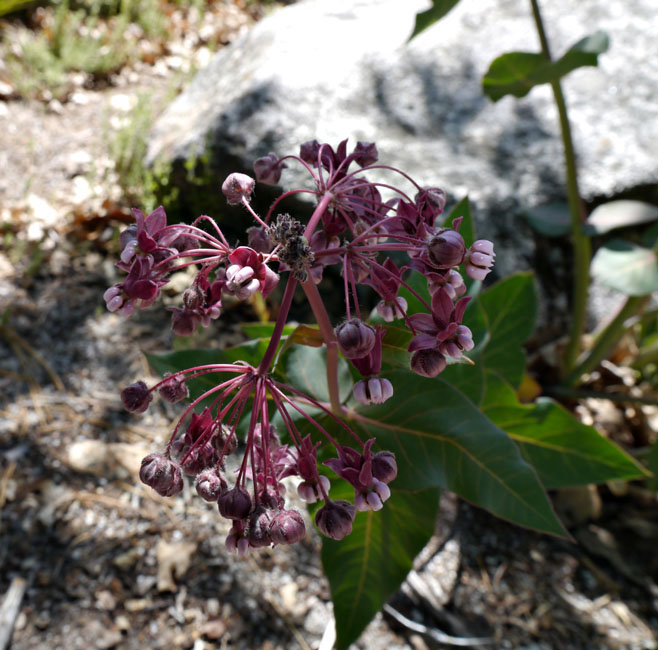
<point>501,319</point>
<point>426,18</point>
<point>441,439</point>
<point>626,267</point>
<point>366,568</point>
<point>516,73</point>
<point>563,451</point>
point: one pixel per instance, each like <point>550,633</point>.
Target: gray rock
<point>342,68</point>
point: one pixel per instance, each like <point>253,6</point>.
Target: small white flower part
<point>375,390</point>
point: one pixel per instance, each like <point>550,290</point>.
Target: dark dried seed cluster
<point>295,251</point>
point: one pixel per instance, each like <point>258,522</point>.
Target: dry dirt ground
<point>95,560</point>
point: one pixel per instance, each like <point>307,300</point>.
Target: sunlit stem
<point>581,243</point>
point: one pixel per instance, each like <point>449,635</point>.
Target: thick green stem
<point>606,340</point>
<point>581,243</point>
<point>329,337</point>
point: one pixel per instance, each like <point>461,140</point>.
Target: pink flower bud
<point>446,249</point>
<point>136,397</point>
<point>287,527</point>
<point>268,169</point>
<point>365,153</point>
<point>235,503</point>
<point>209,485</point>
<point>174,389</point>
<point>162,474</point>
<point>308,152</point>
<point>355,338</point>
<point>428,363</point>
<point>384,466</point>
<point>430,201</point>
<point>335,519</point>
<point>259,527</point>
<point>237,187</point>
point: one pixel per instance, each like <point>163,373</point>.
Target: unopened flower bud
<point>384,466</point>
<point>446,249</point>
<point>308,152</point>
<point>373,391</point>
<point>428,363</point>
<point>287,527</point>
<point>268,169</point>
<point>225,441</point>
<point>162,474</point>
<point>235,503</point>
<point>173,389</point>
<point>237,187</point>
<point>193,297</point>
<point>335,519</point>
<point>430,201</point>
<point>355,338</point>
<point>198,459</point>
<point>136,397</point>
<point>480,259</point>
<point>209,485</point>
<point>365,153</point>
<point>259,527</point>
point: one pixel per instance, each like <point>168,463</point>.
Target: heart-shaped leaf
<point>626,267</point>
<point>516,73</point>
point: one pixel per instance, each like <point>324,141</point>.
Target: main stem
<point>581,243</point>
<point>329,338</point>
<point>319,311</point>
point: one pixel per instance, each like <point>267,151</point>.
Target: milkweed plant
<point>373,410</point>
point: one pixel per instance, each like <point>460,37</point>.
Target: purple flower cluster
<point>354,228</point>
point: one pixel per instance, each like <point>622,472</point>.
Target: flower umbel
<point>373,242</point>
